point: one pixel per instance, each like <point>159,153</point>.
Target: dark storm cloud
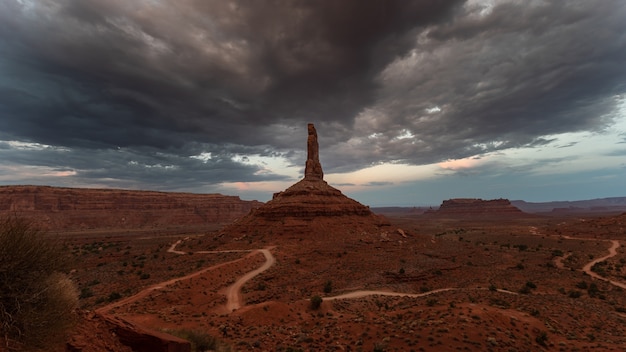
<point>158,73</point>
<point>386,81</point>
<point>502,79</point>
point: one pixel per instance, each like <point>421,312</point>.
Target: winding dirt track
<point>587,268</point>
<point>233,292</point>
<point>612,253</point>
<point>359,294</point>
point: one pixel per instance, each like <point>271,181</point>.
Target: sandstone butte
<point>477,207</point>
<point>309,207</point>
<point>76,209</point>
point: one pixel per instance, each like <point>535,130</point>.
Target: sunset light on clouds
<point>414,102</point>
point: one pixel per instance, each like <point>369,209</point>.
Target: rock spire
<point>313,168</point>
<point>310,207</point>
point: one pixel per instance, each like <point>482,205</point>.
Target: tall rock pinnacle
<point>313,169</point>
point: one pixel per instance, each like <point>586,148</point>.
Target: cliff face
<point>472,207</point>
<point>83,209</point>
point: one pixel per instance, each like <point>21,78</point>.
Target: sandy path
<point>612,253</point>
<point>233,292</point>
<point>360,294</point>
<point>172,249</point>
<point>145,292</point>
<point>587,268</point>
<point>364,293</point>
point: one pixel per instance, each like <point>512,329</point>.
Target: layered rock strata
<point>55,208</point>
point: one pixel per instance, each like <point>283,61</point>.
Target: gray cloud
<point>128,86</point>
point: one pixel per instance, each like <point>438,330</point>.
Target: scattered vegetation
<point>37,300</point>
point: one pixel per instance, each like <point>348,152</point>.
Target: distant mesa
<point>309,205</point>
<point>81,209</point>
<point>601,205</point>
<point>476,207</point>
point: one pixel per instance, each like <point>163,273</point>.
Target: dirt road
<point>233,292</point>
<point>612,253</point>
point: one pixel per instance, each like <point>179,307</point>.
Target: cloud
<point>133,90</point>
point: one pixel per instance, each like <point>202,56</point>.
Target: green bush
<point>316,302</point>
<point>37,300</point>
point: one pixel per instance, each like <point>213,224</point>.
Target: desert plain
<point>401,280</point>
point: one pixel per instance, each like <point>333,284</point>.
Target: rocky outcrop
<point>55,208</point>
<point>309,206</point>
<point>474,207</point>
<point>143,340</point>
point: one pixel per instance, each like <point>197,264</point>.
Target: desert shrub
<point>328,287</point>
<point>582,285</point>
<point>593,289</point>
<point>542,339</point>
<point>380,347</point>
<point>316,302</point>
<point>85,292</point>
<point>37,300</point>
<point>598,268</point>
<point>114,296</point>
<point>200,341</point>
<point>574,294</point>
<point>557,253</point>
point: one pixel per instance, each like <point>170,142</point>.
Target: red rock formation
<point>473,206</point>
<point>83,209</point>
<point>309,206</point>
<point>108,333</point>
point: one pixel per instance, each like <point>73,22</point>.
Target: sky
<point>414,102</point>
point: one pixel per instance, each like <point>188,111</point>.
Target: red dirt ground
<point>478,261</point>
